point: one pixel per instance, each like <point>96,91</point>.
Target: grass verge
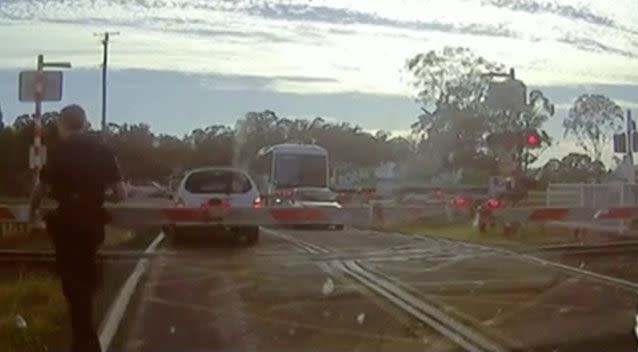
<point>530,234</point>
<point>37,299</point>
<point>32,290</point>
<point>40,240</point>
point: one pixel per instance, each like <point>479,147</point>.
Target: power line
<point>106,36</point>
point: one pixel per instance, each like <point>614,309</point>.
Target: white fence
<point>591,195</point>
<point>597,196</point>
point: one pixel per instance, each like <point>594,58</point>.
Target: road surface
<point>356,290</point>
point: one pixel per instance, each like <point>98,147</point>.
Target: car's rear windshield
<point>217,181</point>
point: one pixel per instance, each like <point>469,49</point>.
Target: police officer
<point>79,172</point>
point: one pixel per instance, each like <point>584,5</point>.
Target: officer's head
<point>72,121</point>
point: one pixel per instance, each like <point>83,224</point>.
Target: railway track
<point>468,337</point>
<point>525,255</point>
<point>326,255</point>
<point>607,247</point>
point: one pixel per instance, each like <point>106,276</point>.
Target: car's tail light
<point>257,202</point>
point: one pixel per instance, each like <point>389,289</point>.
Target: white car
<point>310,197</point>
<point>214,185</point>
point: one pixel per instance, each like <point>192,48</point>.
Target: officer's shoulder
<point>86,142</point>
<point>92,138</point>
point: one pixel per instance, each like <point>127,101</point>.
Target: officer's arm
<point>118,192</point>
<point>113,178</point>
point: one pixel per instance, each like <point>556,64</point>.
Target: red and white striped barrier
<point>617,213</point>
<point>128,215</point>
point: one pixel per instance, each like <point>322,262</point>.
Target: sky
<point>183,64</point>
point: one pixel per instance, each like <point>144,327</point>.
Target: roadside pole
<point>629,169</point>
<point>631,177</point>
<point>39,86</point>
<point>38,91</point>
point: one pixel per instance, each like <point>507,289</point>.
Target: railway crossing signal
<point>532,139</point>
<point>494,203</point>
<point>39,86</point>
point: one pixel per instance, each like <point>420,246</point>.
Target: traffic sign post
<point>38,86</point>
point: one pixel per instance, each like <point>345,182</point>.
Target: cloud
<point>350,17</point>
<point>578,12</point>
<point>591,45</point>
<point>254,82</point>
<point>551,7</point>
<point>352,45</point>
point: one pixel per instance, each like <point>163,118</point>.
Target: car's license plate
<point>216,209</point>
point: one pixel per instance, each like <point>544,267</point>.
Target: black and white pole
<point>37,120</point>
<point>38,151</point>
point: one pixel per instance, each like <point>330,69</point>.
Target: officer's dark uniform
<point>79,170</point>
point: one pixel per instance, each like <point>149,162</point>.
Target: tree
<point>253,132</point>
<point>591,120</point>
<point>574,167</point>
<point>133,146</point>
<point>211,146</point>
<point>454,76</point>
<point>451,86</point>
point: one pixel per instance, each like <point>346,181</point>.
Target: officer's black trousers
<point>75,250</point>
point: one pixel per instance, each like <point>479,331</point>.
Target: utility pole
<point>631,177</point>
<point>106,36</point>
<point>1,119</point>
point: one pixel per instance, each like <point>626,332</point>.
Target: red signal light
<point>438,194</point>
<point>532,139</point>
<point>494,203</point>
<point>460,201</point>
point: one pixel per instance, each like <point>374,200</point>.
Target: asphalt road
<point>354,290</point>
